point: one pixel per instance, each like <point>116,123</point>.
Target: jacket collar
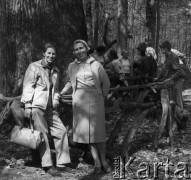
<point>88,61</point>
<point>45,64</point>
<point>41,63</point>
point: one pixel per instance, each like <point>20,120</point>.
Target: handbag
<point>27,137</point>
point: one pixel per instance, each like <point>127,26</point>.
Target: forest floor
<point>172,163</point>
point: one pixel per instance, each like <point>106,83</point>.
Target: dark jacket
<point>145,69</point>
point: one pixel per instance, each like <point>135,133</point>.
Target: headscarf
<point>151,52</point>
<point>83,42</point>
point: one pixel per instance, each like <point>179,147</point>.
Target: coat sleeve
<point>29,83</point>
<point>177,68</point>
<point>105,82</point>
<point>66,88</point>
<point>68,85</point>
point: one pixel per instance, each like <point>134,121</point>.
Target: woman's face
<point>125,55</point>
<point>163,50</point>
<point>50,55</point>
<point>80,51</point>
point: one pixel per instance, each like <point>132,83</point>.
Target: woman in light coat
<point>90,85</point>
<point>41,98</point>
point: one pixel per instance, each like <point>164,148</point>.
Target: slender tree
<point>96,24</point>
<point>88,17</point>
<point>151,20</point>
<point>2,31</point>
<point>122,24</point>
<point>157,25</point>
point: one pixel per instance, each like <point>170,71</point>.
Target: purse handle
<point>31,124</point>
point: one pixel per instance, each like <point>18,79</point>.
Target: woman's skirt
<point>88,116</point>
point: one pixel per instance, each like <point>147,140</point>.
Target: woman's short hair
<point>48,45</point>
<point>151,52</point>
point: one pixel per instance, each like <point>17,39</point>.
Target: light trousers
<point>48,121</point>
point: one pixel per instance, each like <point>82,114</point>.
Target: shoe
<point>64,169</point>
<point>53,172</point>
<point>97,170</point>
<point>106,168</point>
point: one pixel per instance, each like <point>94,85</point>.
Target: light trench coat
<point>100,77</point>
<point>88,103</point>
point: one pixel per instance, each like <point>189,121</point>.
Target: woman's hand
<point>28,112</point>
<point>55,104</point>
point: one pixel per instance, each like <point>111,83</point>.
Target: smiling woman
<point>49,53</point>
<point>41,99</point>
<point>80,50</point>
<point>90,85</point>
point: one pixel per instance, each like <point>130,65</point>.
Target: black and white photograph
<point>95,89</point>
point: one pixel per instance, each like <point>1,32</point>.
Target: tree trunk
<point>96,25</point>
<point>151,20</point>
<point>122,25</point>
<point>30,24</point>
<point>88,17</point>
<point>2,31</point>
<point>157,26</point>
<point>152,86</point>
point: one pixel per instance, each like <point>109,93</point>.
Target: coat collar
<point>43,64</point>
<point>88,61</point>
